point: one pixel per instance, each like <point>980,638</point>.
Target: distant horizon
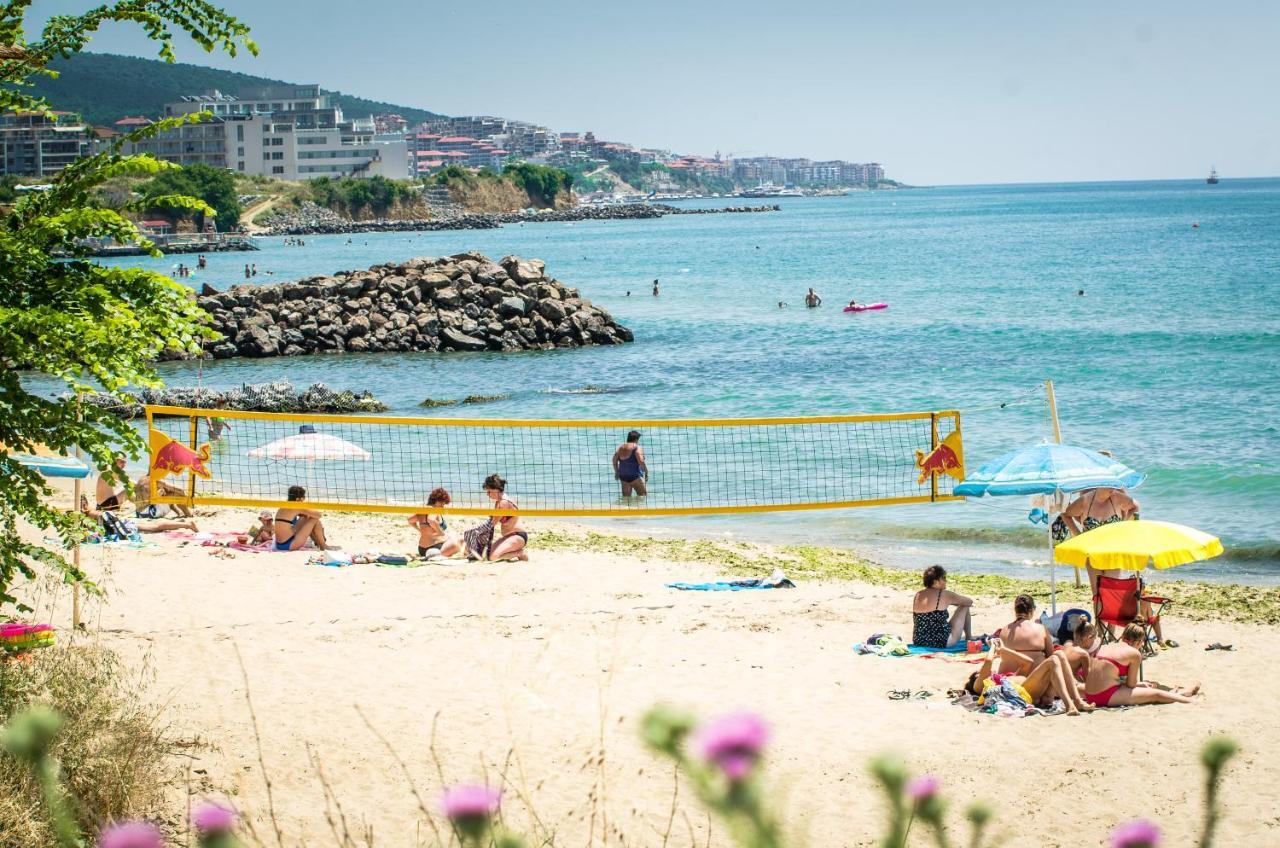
<point>938,94</point>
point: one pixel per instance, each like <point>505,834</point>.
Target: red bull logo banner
<point>947,458</point>
<point>170,457</point>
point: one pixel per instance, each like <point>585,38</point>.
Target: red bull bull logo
<point>170,457</point>
<point>947,458</point>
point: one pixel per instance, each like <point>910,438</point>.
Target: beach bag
<point>116,528</point>
<point>478,539</point>
<point>392,559</point>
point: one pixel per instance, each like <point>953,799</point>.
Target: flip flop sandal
<point>1170,643</point>
<point>899,694</point>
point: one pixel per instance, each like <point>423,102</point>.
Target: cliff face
<point>465,302</point>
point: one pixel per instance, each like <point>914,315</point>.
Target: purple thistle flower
<point>212,817</point>
<point>131,835</point>
<point>470,802</point>
<point>734,743</point>
<point>922,788</point>
<point>1139,833</point>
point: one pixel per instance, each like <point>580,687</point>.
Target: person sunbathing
<point>108,497</point>
<point>114,525</point>
<point>144,508</point>
<point>1025,635</point>
<point>295,526</point>
<point>1115,675</point>
<point>932,625</point>
<point>1048,679</point>
<point>434,540</point>
<point>514,539</point>
<point>1080,649</point>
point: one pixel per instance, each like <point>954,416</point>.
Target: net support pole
<point>75,550</point>
<point>1057,437</point>
<point>933,446</point>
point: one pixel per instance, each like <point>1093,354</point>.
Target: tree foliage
<point>215,186</point>
<point>376,194</point>
<point>89,326</point>
<point>541,182</point>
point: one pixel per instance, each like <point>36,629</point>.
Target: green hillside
<point>104,88</point>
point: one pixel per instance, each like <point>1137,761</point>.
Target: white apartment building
<point>286,132</point>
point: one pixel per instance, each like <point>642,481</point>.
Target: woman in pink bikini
<point>1115,675</point>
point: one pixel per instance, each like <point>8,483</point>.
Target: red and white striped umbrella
<point>310,446</point>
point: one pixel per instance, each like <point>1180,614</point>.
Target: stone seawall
<point>316,220</point>
<point>464,302</point>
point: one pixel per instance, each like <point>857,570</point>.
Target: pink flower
<point>734,743</point>
<point>1139,833</point>
<point>922,788</point>
<point>212,817</point>
<point>470,802</point>
<point>131,835</point>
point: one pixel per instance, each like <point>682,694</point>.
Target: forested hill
<point>104,88</point>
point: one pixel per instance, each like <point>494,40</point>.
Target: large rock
<point>458,340</point>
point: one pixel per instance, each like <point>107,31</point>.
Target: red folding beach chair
<point>1118,601</point>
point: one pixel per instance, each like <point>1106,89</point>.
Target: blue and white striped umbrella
<point>1047,469</point>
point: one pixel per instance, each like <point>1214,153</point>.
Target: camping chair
<point>1117,602</point>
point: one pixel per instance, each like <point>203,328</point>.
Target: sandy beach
<point>535,676</point>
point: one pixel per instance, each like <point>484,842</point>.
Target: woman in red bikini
<point>1114,678</point>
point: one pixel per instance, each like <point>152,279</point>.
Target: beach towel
<point>332,559</point>
<point>776,580</point>
<point>876,645</point>
<point>478,539</point>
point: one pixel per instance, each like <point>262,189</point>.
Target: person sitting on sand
<point>115,523</point>
<point>295,526</point>
<point>629,467</point>
<point>1115,675</point>
<point>434,539</point>
<point>932,626</point>
<point>512,539</point>
<point>144,508</point>
<point>110,498</point>
<point>1048,680</point>
<point>1025,635</point>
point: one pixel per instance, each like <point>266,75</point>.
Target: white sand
<point>537,674</point>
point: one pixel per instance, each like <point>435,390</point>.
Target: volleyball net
<point>378,463</point>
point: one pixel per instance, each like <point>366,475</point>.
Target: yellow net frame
<point>555,468</point>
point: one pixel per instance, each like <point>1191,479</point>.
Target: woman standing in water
<point>629,467</point>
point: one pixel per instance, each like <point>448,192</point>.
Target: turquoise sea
<point>1168,359</point>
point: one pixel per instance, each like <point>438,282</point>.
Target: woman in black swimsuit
<point>933,625</point>
<point>513,539</point>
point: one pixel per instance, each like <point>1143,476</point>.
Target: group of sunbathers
<point>1082,671</point>
<point>499,537</point>
<point>111,511</point>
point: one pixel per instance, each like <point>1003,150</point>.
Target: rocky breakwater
<point>464,302</point>
<point>311,219</point>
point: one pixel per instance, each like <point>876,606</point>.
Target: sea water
<point>1168,358</point>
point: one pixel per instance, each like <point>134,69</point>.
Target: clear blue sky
<point>940,92</point>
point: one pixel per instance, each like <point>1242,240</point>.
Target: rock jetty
<point>310,219</point>
<point>464,302</point>
<point>250,397</point>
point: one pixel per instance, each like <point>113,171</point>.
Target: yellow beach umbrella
<point>1131,545</point>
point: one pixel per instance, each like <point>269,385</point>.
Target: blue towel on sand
<point>733,585</point>
<point>958,648</point>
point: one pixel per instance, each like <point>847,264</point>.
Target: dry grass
<point>113,752</point>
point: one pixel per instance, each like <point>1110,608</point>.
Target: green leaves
<point>88,326</point>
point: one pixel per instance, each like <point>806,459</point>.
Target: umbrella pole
<point>1053,582</point>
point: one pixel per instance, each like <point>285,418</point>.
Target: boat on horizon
<point>1213,176</point>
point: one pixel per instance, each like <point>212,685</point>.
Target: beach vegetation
<point>215,186</point>
<point>108,750</point>
<point>541,182</point>
<point>356,198</point>
<point>88,326</point>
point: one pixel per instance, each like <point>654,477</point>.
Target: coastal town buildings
<point>286,132</point>
<point>36,145</point>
